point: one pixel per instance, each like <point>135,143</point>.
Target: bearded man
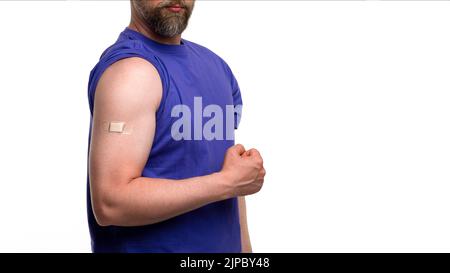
<point>164,173</point>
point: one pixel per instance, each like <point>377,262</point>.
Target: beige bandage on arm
<point>117,127</point>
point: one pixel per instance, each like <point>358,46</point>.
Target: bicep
<point>128,92</point>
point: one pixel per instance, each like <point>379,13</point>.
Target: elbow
<point>103,215</point>
<point>105,211</point>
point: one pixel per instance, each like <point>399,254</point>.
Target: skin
<point>130,91</point>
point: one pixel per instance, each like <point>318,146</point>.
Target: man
<point>164,173</point>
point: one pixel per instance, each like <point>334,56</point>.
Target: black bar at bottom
<point>263,262</point>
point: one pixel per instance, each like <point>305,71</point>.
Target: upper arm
<point>129,91</point>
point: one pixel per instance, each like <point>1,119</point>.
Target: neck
<point>140,27</point>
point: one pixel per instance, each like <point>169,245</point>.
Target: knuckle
<point>239,146</point>
<point>259,162</point>
<point>260,186</point>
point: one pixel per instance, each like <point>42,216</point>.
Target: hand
<point>243,171</point>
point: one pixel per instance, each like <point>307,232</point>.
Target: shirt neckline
<point>165,48</point>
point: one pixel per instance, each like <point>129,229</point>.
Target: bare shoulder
<point>129,83</point>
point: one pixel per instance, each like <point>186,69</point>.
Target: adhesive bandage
<point>117,127</point>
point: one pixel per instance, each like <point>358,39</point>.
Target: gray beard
<point>167,26</point>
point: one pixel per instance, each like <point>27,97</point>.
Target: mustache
<point>170,3</point>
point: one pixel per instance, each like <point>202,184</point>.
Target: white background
<point>348,102</point>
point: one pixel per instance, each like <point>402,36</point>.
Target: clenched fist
<point>243,171</point>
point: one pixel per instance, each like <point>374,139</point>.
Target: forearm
<point>145,201</point>
<point>245,236</point>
